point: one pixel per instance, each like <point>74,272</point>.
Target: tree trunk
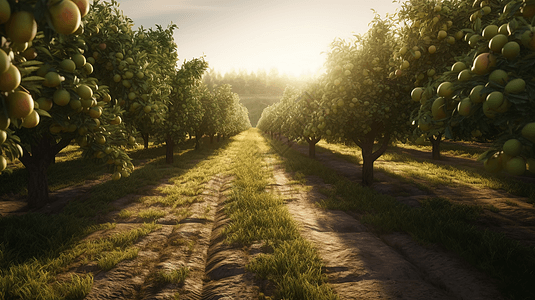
<point>37,162</point>
<point>37,183</point>
<point>435,142</point>
<point>218,137</point>
<point>369,156</point>
<point>211,138</point>
<point>197,142</point>
<point>169,150</point>
<point>367,168</point>
<point>145,137</point>
<point>312,146</point>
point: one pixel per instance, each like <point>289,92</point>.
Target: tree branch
<point>25,158</point>
<point>64,142</point>
<point>383,147</point>
<point>359,143</point>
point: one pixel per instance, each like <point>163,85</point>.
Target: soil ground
<point>358,263</point>
<point>361,265</point>
<point>512,215</point>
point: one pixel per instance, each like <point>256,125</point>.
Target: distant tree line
<point>244,83</point>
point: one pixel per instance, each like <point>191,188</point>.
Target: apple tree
<point>498,99</point>
<point>136,66</point>
<point>364,104</point>
<point>234,115</point>
<point>239,118</point>
<point>431,38</point>
<point>184,108</point>
<point>302,117</point>
<point>46,62</point>
<point>211,120</point>
<point>310,118</point>
<point>283,116</point>
<point>266,119</point>
<point>287,114</point>
<point>160,67</point>
<point>279,113</point>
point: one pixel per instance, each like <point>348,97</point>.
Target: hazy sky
<point>252,34</point>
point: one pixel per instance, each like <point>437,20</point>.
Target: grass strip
<point>65,171</point>
<point>438,173</point>
<point>176,276</point>
<point>259,216</point>
<point>35,247</point>
<point>33,279</point>
<point>437,221</point>
<point>451,148</point>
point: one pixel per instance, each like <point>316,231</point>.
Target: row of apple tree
<point>75,72</point>
<point>459,70</point>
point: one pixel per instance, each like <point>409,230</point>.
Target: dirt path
<point>181,242</point>
<point>504,213</point>
<point>191,241</point>
<point>361,265</point>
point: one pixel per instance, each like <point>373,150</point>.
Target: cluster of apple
<point>506,98</point>
<point>429,39</point>
<point>491,84</point>
<point>22,42</point>
<point>18,104</point>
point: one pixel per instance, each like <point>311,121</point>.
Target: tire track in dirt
<point>171,247</point>
<point>226,276</point>
<point>178,243</point>
<point>360,265</point>
<point>216,269</point>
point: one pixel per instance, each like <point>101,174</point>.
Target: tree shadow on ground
<point>47,232</point>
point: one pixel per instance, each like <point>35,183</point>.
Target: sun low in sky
<point>258,34</point>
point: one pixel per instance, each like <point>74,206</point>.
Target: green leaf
<point>33,78</point>
<point>484,155</point>
<point>43,113</point>
<point>30,63</point>
<point>44,50</point>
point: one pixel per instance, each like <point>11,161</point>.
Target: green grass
<point>439,174</point>
<point>457,149</point>
<point>437,221</point>
<point>175,276</point>
<point>38,288</point>
<point>295,268</point>
<point>259,216</point>
<point>31,279</point>
<point>76,288</point>
<point>111,259</point>
<point>125,214</point>
<point>151,214</point>
<point>351,154</point>
<point>34,247</point>
<point>65,171</point>
<point>435,174</point>
<point>183,213</point>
